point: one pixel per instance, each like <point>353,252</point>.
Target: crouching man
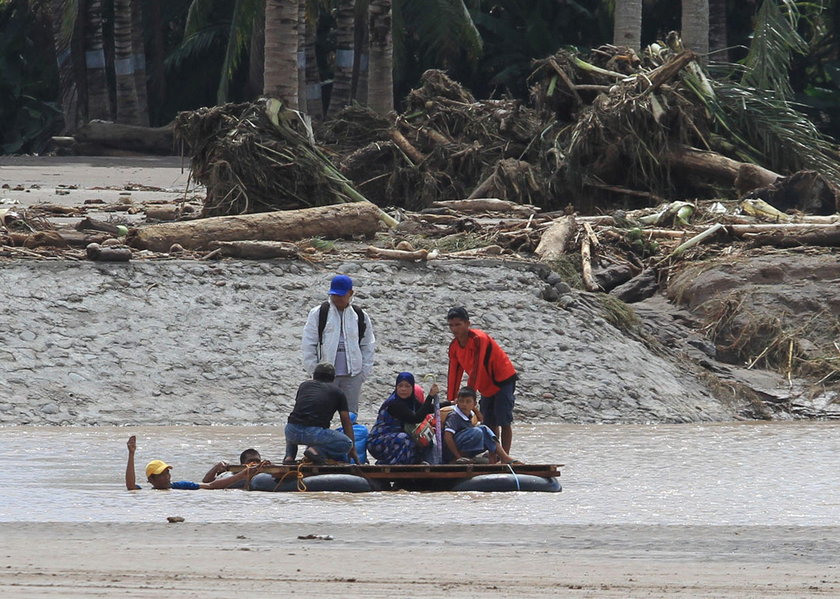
<point>316,403</point>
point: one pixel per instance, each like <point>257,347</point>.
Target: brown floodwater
<point>738,473</point>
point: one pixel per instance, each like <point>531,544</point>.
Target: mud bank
<point>195,343</point>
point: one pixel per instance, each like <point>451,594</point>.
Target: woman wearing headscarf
<point>388,441</point>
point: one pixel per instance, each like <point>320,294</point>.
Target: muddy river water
<point>711,474</point>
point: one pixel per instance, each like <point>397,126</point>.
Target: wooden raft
<point>412,472</point>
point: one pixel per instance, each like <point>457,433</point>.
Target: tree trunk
<point>301,55</point>
<point>329,222</point>
<point>158,140</point>
<point>555,239</point>
<point>627,23</point>
<point>281,40</point>
<point>381,78</point>
<point>98,98</point>
<point>314,98</point>
<point>361,56</point>
<point>718,41</point>
<point>344,37</point>
<point>127,109</point>
<point>138,47</point>
<point>67,74</point>
<point>695,27</point>
<point>744,176</point>
<point>157,75</point>
<point>256,61</point>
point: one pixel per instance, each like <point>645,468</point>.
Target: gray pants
<point>352,387</point>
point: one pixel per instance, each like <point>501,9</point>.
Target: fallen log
<point>255,250</point>
<point>586,266</point>
<point>155,140</point>
<point>409,256</point>
<point>828,237</point>
<point>638,288</point>
<point>473,205</point>
<point>744,176</point>
<point>93,224</point>
<point>99,253</point>
<point>553,242</point>
<point>330,222</point>
<point>489,250</point>
<point>614,275</point>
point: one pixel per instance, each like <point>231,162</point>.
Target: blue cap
<point>341,285</point>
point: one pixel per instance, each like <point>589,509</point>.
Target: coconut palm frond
<point>199,16</point>
<point>241,28</point>
<point>446,28</point>
<point>786,138</point>
<point>69,14</point>
<point>196,46</point>
<point>775,40</point>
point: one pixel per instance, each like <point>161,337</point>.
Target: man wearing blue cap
<point>341,337</point>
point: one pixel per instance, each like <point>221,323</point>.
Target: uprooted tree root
<point>250,163</point>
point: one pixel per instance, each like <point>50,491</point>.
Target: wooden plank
<point>419,471</point>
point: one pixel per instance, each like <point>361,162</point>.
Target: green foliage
<point>27,80</point>
<point>774,41</point>
<point>516,32</point>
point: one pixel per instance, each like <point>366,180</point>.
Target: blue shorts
<point>498,409</point>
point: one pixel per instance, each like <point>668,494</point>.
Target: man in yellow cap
<point>158,473</point>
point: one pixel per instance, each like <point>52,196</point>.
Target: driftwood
<point>613,276</point>
<point>93,224</point>
<point>331,222</point>
<point>162,212</point>
<point>490,250</point>
<point>101,253</point>
<point>827,237</point>
<point>410,256</point>
<point>473,205</point>
<point>255,250</point>
<point>553,242</point>
<point>155,140</point>
<point>586,265</point>
<point>744,176</point>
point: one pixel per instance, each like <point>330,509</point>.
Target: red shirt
<point>485,363</point>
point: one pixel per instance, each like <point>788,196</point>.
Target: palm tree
<point>718,39</point>
<point>281,41</point>
<point>126,91</point>
<point>695,26</point>
<point>98,98</point>
<point>64,19</point>
<point>344,52</point>
<point>138,47</point>
<point>381,76</point>
<point>627,23</point>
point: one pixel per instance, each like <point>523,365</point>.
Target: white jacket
<point>359,353</point>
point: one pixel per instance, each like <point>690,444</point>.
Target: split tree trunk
<point>330,222</point>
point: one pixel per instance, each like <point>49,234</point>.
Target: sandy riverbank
<point>54,560</point>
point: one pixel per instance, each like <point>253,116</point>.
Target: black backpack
<point>322,321</point>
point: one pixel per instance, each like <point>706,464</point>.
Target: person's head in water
<point>324,372</point>
<point>158,473</point>
<point>250,456</point>
<point>459,323</point>
<point>405,385</point>
<point>341,291</point>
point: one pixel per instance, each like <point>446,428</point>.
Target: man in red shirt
<point>489,370</point>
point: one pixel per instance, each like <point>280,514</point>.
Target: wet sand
<point>269,559</point>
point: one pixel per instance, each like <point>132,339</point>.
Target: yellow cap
<point>156,467</point>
